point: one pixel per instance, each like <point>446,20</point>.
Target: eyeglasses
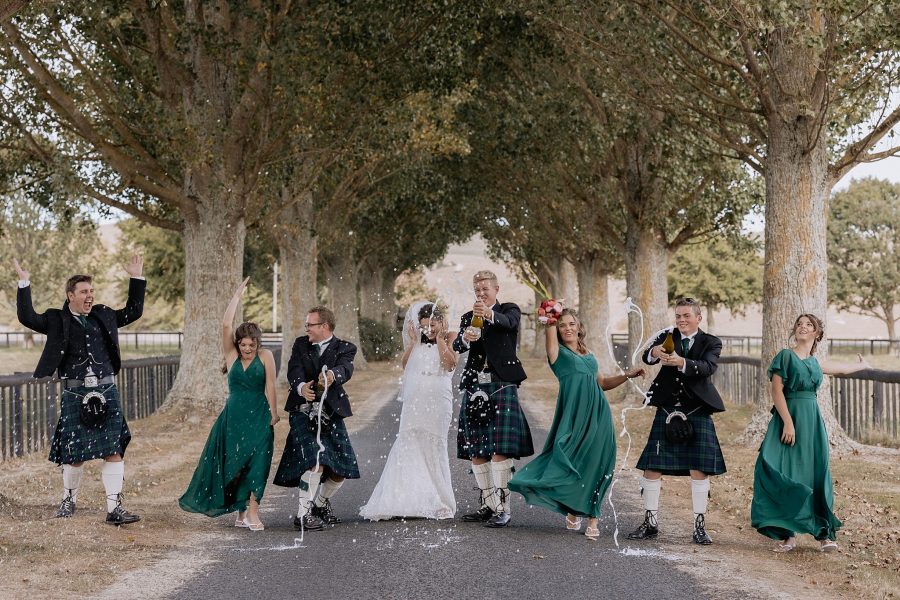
<point>310,325</point>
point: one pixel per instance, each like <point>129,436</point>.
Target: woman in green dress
<point>575,468</point>
<point>234,466</point>
<point>792,487</point>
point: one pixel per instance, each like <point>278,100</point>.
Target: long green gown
<point>792,487</point>
<point>238,452</point>
<point>575,468</point>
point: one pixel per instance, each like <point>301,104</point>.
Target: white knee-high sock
<point>309,485</point>
<point>327,490</point>
<point>699,495</point>
<point>485,483</point>
<point>113,475</point>
<point>651,488</point>
<point>72,481</point>
<point>502,473</point>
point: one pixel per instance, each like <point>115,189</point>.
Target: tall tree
<point>864,251</point>
<point>799,90</point>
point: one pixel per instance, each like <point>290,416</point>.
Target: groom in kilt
<point>302,464</point>
<point>492,427</point>
<point>82,346</point>
<point>683,437</point>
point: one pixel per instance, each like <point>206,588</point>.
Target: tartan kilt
<point>300,450</point>
<point>507,433</point>
<point>702,454</point>
<point>74,442</point>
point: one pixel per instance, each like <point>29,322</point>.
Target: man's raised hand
<point>22,273</point>
<point>135,267</point>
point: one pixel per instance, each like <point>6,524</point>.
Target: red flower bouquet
<point>549,311</point>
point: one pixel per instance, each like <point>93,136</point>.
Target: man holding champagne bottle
<point>492,427</point>
<point>682,438</point>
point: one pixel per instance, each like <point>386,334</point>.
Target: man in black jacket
<point>318,359</point>
<point>492,427</point>
<point>83,348</point>
<point>685,399</point>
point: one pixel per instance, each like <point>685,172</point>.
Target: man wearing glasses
<point>320,365</point>
<point>682,438</point>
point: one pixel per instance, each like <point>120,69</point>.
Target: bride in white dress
<point>416,478</point>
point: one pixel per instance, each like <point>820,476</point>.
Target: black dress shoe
<point>700,536</point>
<point>648,530</point>
<point>325,513</point>
<point>500,519</point>
<point>66,508</point>
<point>479,516</point>
<point>308,522</point>
<point>120,516</point>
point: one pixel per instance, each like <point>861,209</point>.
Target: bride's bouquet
<point>550,309</point>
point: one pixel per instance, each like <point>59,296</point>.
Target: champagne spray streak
<point>298,541</point>
<point>629,307</point>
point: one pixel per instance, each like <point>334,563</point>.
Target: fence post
<point>877,403</point>
<point>17,437</point>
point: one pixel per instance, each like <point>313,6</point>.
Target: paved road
<point>535,557</point>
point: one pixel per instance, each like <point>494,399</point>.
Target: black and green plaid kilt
<point>74,442</point>
<point>702,454</point>
<point>507,433</point>
<point>300,452</point>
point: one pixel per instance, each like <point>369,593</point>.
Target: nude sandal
<point>592,533</point>
<point>573,525</point>
<point>786,546</point>
<point>828,546</point>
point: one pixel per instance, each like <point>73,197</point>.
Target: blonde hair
<point>485,275</point>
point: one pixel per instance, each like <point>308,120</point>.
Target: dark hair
<point>245,330</point>
<point>687,301</point>
<point>582,349</point>
<point>325,315</point>
<point>430,311</point>
<point>75,280</point>
<point>817,323</point>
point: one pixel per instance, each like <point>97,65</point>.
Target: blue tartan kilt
<point>703,453</point>
<point>504,432</point>
<point>300,451</point>
<point>74,442</point>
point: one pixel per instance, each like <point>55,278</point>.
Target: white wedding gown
<point>416,478</point>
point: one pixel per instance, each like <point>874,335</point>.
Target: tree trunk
<point>213,249</point>
<point>646,267</point>
<point>376,295</point>
<point>710,319</point>
<point>342,277</point>
<point>798,186</point>
<point>298,251</point>
<point>593,308</point>
<point>567,282</point>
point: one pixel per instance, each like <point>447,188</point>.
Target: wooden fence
<point>864,402</point>
<point>29,408</point>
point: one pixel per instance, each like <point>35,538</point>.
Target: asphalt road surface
<point>535,557</point>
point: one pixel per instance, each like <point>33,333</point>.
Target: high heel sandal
<point>256,526</point>
<point>573,525</point>
<point>592,533</point>
<point>241,523</point>
<point>786,546</point>
<point>828,546</point>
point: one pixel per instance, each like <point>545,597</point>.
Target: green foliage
<point>377,340</point>
<point>721,273</point>
<point>52,249</point>
<point>864,250</point>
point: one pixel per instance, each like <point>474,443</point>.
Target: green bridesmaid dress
<point>792,487</point>
<point>238,453</point>
<point>575,468</point>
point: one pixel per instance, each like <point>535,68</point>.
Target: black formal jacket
<point>496,347</point>
<point>57,323</point>
<point>702,361</point>
<point>306,365</point>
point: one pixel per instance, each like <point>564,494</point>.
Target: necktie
<point>320,348</point>
<point>685,345</point>
<point>83,320</point>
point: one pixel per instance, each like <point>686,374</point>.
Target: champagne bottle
<point>477,322</point>
<point>668,344</point>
